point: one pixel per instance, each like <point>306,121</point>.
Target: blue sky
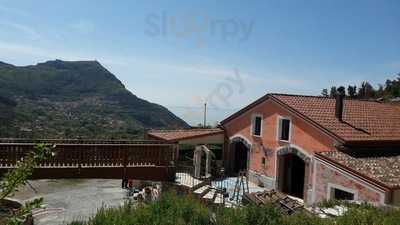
<point>228,53</point>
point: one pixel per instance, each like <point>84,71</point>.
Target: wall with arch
<point>304,137</point>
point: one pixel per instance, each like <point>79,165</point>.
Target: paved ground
<point>76,200</point>
<point>68,200</point>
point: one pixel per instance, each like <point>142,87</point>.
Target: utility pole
<point>205,115</point>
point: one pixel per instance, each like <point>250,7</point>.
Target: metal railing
<point>185,174</point>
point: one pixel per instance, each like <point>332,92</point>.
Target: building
<point>317,148</point>
<point>189,136</point>
<point>187,139</point>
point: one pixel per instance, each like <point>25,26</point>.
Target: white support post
<point>197,161</point>
<point>208,161</point>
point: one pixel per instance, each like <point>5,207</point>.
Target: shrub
<point>303,218</point>
<point>250,215</point>
<point>369,215</point>
<point>184,210</point>
<point>169,210</point>
<point>15,178</point>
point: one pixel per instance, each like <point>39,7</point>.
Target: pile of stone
<point>147,194</point>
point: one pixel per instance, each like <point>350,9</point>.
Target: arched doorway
<point>240,149</point>
<point>202,162</point>
<point>292,166</point>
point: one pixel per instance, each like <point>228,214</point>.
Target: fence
<point>95,158</point>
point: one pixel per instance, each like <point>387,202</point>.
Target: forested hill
<point>59,99</point>
<point>388,91</point>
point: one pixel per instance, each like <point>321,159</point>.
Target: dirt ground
<point>69,200</point>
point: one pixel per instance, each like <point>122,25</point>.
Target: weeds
<point>185,210</point>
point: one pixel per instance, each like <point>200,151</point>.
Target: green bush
<point>303,218</point>
<point>369,215</point>
<point>174,210</point>
<point>17,177</point>
<point>250,215</point>
<point>169,210</point>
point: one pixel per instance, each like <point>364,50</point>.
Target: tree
<point>324,92</point>
<point>341,90</point>
<point>395,87</point>
<point>352,91</point>
<point>380,93</point>
<point>19,176</point>
<point>388,86</point>
<point>366,90</point>
<point>333,92</point>
<point>390,90</point>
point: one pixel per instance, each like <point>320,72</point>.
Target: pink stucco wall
<point>303,135</point>
<point>306,138</point>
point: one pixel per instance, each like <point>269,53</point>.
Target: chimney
<point>340,103</point>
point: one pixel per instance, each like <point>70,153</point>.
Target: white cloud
<point>268,79</point>
<point>83,27</point>
<point>193,81</point>
<point>189,71</point>
<point>24,29</point>
<point>394,65</point>
<point>36,54</point>
<point>20,50</point>
<point>8,10</point>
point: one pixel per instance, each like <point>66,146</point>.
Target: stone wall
<point>261,180</point>
<point>327,176</point>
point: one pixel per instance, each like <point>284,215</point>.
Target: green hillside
<point>59,99</point>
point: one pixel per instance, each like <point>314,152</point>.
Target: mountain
<point>82,99</point>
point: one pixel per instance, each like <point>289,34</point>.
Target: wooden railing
<point>90,154</point>
<point>78,141</point>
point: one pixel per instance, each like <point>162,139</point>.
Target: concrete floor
<point>230,182</point>
<point>69,200</point>
<point>78,199</point>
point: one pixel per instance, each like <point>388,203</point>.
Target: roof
<point>177,135</point>
<point>384,169</point>
<point>362,120</point>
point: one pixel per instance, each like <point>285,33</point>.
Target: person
<point>155,193</point>
<point>147,194</point>
<point>130,187</point>
<point>130,183</point>
<point>140,198</point>
<point>124,183</point>
<point>225,193</point>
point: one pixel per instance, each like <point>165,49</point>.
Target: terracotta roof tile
<point>385,169</point>
<point>176,135</point>
<point>362,120</point>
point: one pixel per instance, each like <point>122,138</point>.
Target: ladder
<point>242,184</point>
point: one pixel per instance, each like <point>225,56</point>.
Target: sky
<point>181,54</point>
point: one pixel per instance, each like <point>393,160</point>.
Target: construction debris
<point>283,202</point>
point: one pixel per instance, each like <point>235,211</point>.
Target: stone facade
<point>261,180</point>
<point>328,177</point>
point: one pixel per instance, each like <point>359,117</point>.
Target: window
<point>339,194</point>
<point>256,125</point>
<point>284,129</point>
<point>263,161</point>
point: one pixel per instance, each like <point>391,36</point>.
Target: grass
<point>184,210</point>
